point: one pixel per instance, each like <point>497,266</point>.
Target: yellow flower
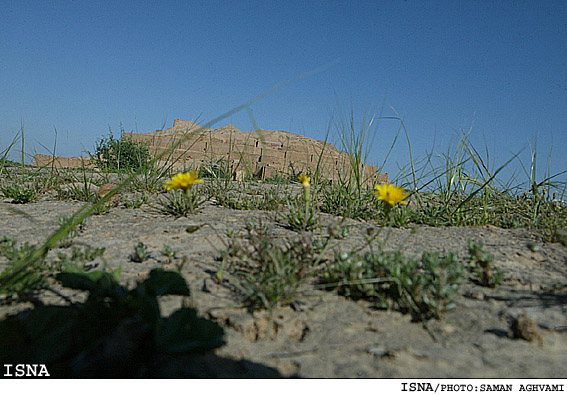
<point>391,194</point>
<point>304,180</point>
<point>183,181</point>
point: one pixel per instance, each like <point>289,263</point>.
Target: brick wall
<point>265,153</point>
<point>61,161</point>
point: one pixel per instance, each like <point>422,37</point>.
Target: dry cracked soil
<point>322,334</point>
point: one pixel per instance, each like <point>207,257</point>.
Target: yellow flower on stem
<point>304,180</point>
<point>391,194</point>
<point>183,181</point>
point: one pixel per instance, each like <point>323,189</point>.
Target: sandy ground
<point>324,335</point>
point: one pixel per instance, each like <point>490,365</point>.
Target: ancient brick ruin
<point>263,153</point>
<point>62,161</point>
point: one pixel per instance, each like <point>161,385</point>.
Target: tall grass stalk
<point>355,143</point>
<point>23,142</point>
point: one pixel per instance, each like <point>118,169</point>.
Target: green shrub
<point>121,155</point>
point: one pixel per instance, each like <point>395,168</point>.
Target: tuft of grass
<point>267,274</point>
<point>338,199</point>
<point>177,204</point>
<point>140,253</point>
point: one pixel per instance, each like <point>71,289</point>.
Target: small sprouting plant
<point>482,269</point>
<point>338,199</point>
<point>303,217</point>
<point>424,288</point>
<point>137,201</point>
<point>7,243</point>
<point>181,204</point>
<point>9,248</point>
<point>169,253</point>
<point>140,253</point>
<point>19,194</point>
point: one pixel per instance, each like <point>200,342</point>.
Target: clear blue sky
<point>82,66</point>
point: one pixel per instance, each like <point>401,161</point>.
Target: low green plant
<point>481,266</point>
<point>265,273</point>
<point>31,280</point>
<point>19,194</point>
<point>79,258</point>
<point>338,231</point>
<point>169,253</point>
<point>116,332</point>
<point>7,243</point>
<point>423,288</point>
<point>140,253</point>
<point>137,201</point>
<point>39,277</point>
<point>216,170</point>
<point>229,197</point>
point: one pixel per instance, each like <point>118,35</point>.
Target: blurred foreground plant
<point>116,332</point>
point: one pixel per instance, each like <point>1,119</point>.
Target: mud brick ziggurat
<point>264,153</point>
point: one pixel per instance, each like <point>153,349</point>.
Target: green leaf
<point>185,332</point>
